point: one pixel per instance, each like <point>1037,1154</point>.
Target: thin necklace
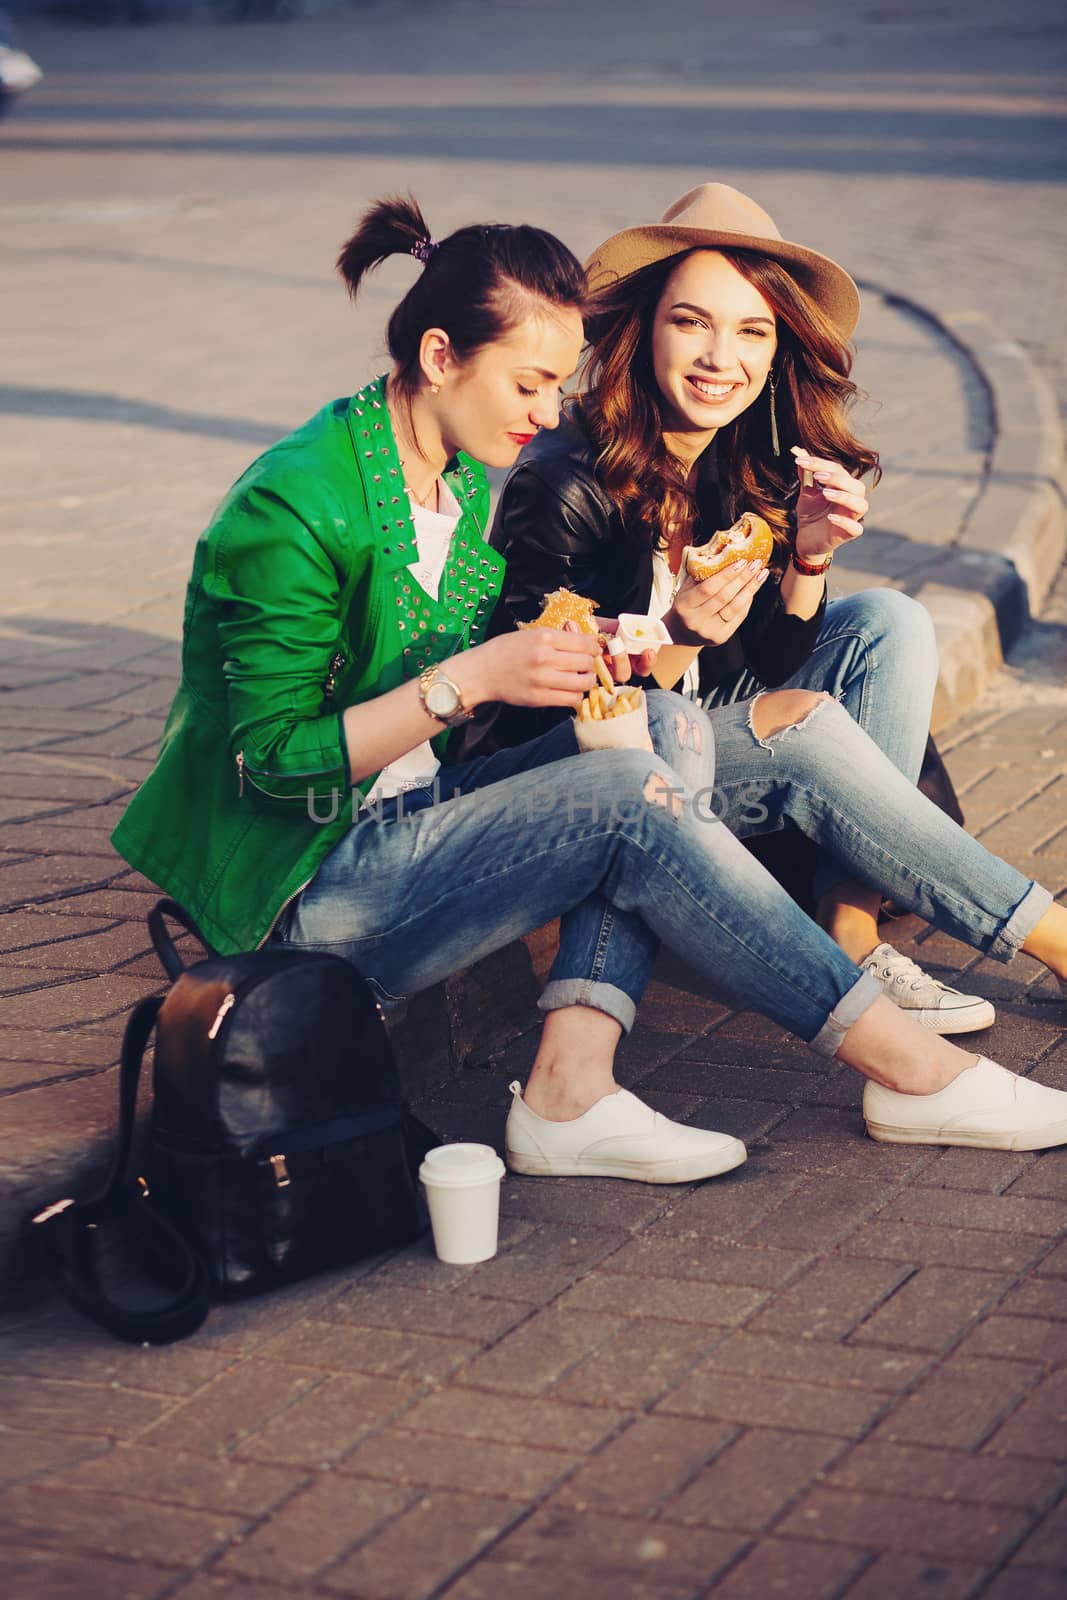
<point>432,493</point>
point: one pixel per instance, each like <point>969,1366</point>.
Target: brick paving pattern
<point>840,1371</point>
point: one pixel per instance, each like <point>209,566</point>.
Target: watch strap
<point>426,681</point>
<point>811,569</point>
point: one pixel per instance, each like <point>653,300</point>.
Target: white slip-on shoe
<point>618,1137</point>
<point>934,1004</point>
<point>986,1105</point>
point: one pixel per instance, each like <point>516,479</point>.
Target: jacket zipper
<point>284,907</point>
<point>243,773</point>
<point>337,661</point>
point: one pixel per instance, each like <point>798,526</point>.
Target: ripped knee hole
<point>689,732</point>
<point>785,708</point>
<point>659,791</point>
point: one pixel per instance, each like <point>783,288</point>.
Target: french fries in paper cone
<point>615,719</point>
<point>608,718</point>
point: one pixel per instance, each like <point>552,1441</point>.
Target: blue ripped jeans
<point>829,779</point>
<point>627,848</point>
<point>622,845</point>
<point>876,653</point>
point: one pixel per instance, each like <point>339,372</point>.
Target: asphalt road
<point>916,140</point>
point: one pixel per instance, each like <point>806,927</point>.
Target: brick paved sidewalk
<point>839,1371</point>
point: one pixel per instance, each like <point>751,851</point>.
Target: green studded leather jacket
<point>300,604</point>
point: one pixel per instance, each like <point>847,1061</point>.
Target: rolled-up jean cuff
<point>587,992</point>
<point>849,1009</point>
<point>1021,924</point>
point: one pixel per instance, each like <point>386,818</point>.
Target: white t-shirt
<point>665,586</point>
<point>433,535</point>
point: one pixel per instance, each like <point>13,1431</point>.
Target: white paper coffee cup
<point>462,1183</point>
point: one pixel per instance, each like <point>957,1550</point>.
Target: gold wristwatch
<point>442,698</point>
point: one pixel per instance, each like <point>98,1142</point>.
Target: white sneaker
<point>934,1004</point>
<point>619,1137</point>
<point>986,1105</point>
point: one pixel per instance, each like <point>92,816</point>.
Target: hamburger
<point>561,606</point>
<point>750,539</point>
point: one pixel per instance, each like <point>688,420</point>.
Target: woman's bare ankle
<point>559,1093</point>
<point>575,1063</point>
<point>1048,942</point>
<point>849,914</point>
<point>892,1049</point>
<point>927,1079</point>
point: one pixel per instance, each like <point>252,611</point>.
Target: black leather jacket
<point>558,529</point>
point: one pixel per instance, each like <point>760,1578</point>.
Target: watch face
<point>442,698</point>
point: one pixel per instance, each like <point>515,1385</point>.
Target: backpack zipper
<point>241,990</point>
<point>227,1005</point>
<point>320,1136</point>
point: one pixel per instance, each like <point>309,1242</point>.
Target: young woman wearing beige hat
<point>717,381</point>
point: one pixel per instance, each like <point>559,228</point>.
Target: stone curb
<point>984,590</point>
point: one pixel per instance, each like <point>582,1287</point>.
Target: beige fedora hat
<point>714,216</point>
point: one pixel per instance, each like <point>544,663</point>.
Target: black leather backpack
<point>279,1142</point>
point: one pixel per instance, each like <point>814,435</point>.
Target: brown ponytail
<point>391,227</point>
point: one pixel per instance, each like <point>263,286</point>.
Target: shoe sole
<point>972,1138</point>
<point>678,1171</point>
<point>954,1022</point>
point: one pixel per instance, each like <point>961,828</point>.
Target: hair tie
<point>424,249</point>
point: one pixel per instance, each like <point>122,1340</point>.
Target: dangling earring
<point>435,388</point>
<point>776,444</point>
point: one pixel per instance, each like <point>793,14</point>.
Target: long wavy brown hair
<point>620,403</point>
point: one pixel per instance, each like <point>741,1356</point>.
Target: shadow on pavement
<point>22,400</point>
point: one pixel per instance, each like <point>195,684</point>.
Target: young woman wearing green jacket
<point>334,634</point>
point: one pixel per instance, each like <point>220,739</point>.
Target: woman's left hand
<point>831,512</point>
<point>622,667</point>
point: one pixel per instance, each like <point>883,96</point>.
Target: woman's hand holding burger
<point>712,611</point>
<point>534,667</point>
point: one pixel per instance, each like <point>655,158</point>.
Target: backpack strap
<point>166,949</point>
<point>65,1230</point>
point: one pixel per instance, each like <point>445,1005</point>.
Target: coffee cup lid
<point>460,1166</point>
